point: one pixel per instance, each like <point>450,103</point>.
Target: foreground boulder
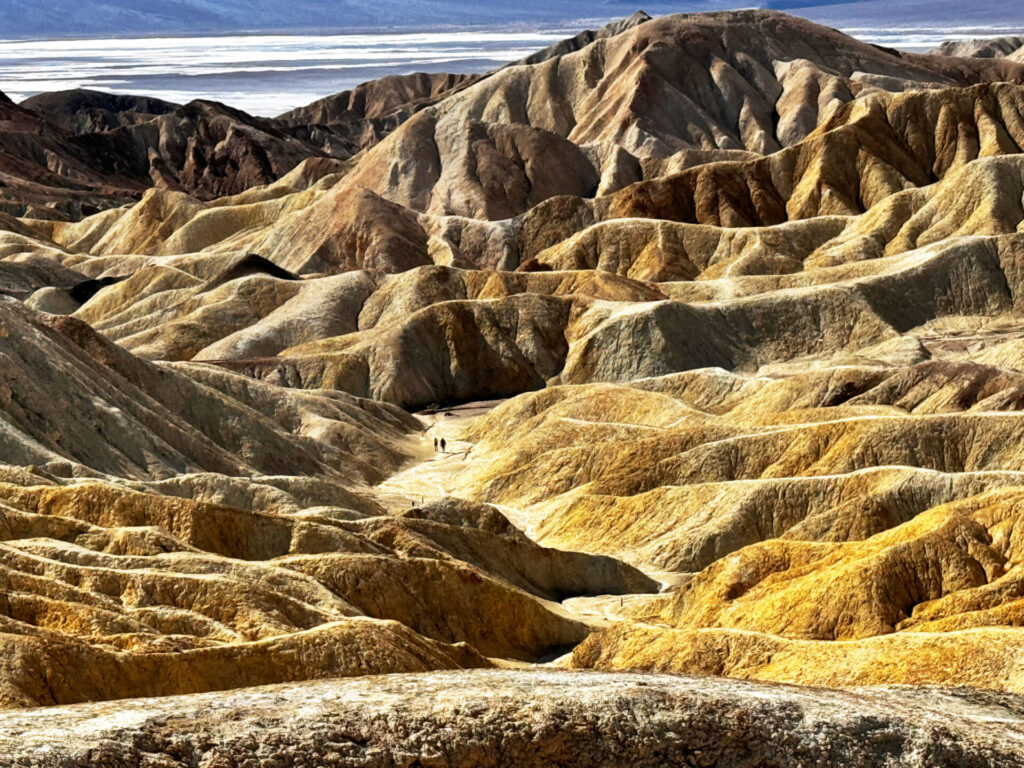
<point>544,718</point>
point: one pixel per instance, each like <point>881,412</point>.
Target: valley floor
<point>433,476</point>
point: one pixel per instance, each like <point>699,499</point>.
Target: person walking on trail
<point>435,445</point>
<point>442,445</point>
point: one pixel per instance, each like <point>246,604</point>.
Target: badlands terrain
<point>720,317</point>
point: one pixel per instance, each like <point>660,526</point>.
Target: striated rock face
<point>83,111</point>
<point>637,90</point>
<point>44,174</point>
<point>180,529</point>
<point>74,403</point>
<point>975,658</point>
<point>73,153</point>
<point>529,719</point>
<point>204,148</point>
<point>111,592</point>
<point>350,121</point>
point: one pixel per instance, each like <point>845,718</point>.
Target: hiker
<point>442,445</point>
<point>435,445</point>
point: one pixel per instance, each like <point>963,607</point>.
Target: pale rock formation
<point>522,719</point>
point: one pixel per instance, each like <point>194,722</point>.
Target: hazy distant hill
<point>899,13</point>
<point>116,17</point>
<point>63,18</point>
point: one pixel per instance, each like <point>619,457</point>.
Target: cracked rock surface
<point>515,718</point>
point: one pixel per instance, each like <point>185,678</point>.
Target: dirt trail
<point>435,474</point>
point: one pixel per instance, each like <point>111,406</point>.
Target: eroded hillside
<point>744,297</point>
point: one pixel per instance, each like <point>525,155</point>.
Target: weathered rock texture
<point>529,719</point>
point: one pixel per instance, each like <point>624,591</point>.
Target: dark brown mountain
<point>85,111</point>
<point>69,154</point>
<point>44,172</point>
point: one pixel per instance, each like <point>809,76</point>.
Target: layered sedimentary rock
<point>749,292</point>
<point>78,152</point>
<point>112,591</point>
<point>183,529</point>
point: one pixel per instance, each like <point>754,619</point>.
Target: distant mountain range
<point>116,17</point>
<point>91,18</point>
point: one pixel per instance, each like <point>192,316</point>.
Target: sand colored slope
<point>749,291</point>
